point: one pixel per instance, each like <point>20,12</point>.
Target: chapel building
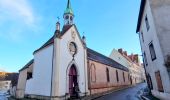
<point>64,64</point>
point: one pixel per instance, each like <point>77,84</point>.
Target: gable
<point>69,28</point>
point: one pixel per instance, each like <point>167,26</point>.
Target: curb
<point>144,98</point>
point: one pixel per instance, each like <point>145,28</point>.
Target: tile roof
<point>93,55</point>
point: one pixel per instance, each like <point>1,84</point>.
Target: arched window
<point>117,76</point>
<point>93,73</point>
<point>107,74</point>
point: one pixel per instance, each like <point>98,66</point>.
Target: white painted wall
<point>115,55</point>
<point>21,83</point>
<point>40,84</point>
<point>157,64</point>
<point>65,60</point>
<point>135,70</point>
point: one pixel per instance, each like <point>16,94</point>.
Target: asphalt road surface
<point>126,94</point>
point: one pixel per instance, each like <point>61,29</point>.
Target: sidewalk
<point>149,97</point>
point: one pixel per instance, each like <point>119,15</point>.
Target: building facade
<point>132,62</point>
<point>65,67</point>
<point>153,29</point>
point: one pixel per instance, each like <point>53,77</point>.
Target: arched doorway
<point>73,82</point>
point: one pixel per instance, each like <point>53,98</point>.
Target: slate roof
<point>91,54</point>
<point>27,65</point>
<point>142,7</point>
<point>50,41</point>
<point>95,56</point>
<point>58,34</point>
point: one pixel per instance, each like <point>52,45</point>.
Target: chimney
<point>131,57</point>
<point>120,50</point>
<point>125,53</point>
<point>136,58</point>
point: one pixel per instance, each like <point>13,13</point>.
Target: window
<point>152,51</point>
<point>145,59</point>
<point>107,74</point>
<point>124,76</point>
<point>149,82</point>
<point>29,75</point>
<point>117,76</point>
<point>159,81</point>
<point>142,36</point>
<point>147,23</point>
<point>93,73</point>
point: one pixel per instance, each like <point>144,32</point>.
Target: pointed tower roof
<point>68,9</point>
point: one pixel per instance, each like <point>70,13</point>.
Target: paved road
<point>126,94</point>
<point>3,97</point>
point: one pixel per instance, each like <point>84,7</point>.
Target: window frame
<point>142,36</point>
<point>152,51</point>
<point>107,75</point>
<point>159,81</point>
<point>117,76</point>
<point>93,72</point>
<point>124,77</point>
<point>145,59</point>
<point>147,23</point>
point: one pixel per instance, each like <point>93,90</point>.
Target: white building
<point>136,70</point>
<point>5,85</point>
<point>64,63</point>
<point>154,33</point>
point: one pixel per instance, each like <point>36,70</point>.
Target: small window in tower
<point>67,17</point>
<point>71,18</point>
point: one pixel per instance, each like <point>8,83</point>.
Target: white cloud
<point>16,9</point>
<point>17,19</point>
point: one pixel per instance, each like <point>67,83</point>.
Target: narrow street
<point>126,94</point>
<point>3,97</point>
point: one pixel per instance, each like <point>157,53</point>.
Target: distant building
<point>64,65</point>
<point>132,62</point>
<point>154,33</point>
<point>5,85</point>
<point>7,80</point>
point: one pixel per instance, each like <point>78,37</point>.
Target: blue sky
<point>26,24</point>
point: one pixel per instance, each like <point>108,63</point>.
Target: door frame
<point>67,75</point>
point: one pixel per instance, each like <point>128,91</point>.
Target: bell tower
<point>68,14</point>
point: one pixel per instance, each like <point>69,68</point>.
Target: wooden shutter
<point>159,81</point>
